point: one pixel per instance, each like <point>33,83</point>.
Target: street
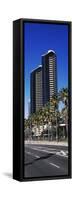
<point>45,160</point>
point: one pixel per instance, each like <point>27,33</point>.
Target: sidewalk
<point>46,142</point>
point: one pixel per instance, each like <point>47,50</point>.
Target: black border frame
<point>18,99</point>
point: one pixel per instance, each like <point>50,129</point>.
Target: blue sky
<point>38,39</point>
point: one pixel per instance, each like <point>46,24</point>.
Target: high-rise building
<point>49,76</point>
<point>43,82</point>
<point>28,107</point>
<point>36,89</point>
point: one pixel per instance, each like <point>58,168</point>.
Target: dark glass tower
<point>43,82</point>
<point>36,89</point>
<point>49,76</point>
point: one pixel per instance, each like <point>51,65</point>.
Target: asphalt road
<point>44,160</point>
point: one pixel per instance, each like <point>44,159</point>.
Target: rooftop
<point>49,51</point>
<point>37,68</point>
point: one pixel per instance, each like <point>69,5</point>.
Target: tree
<point>54,107</point>
<point>63,96</point>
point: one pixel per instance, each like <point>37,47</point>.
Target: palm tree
<point>48,116</point>
<point>54,106</point>
<point>41,117</point>
<point>38,121</point>
<point>63,96</point>
<point>34,122</point>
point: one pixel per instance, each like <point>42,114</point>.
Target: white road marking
<point>32,154</point>
<point>42,150</point>
<point>54,151</point>
<point>54,165</point>
<point>51,149</point>
<point>47,148</point>
<point>62,154</point>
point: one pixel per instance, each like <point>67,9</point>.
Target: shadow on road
<point>41,158</point>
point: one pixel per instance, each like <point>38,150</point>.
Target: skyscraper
<point>43,81</point>
<point>28,107</point>
<point>49,76</point>
<point>36,89</point>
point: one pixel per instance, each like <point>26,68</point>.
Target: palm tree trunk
<point>48,130</point>
<point>43,129</point>
<point>56,130</point>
